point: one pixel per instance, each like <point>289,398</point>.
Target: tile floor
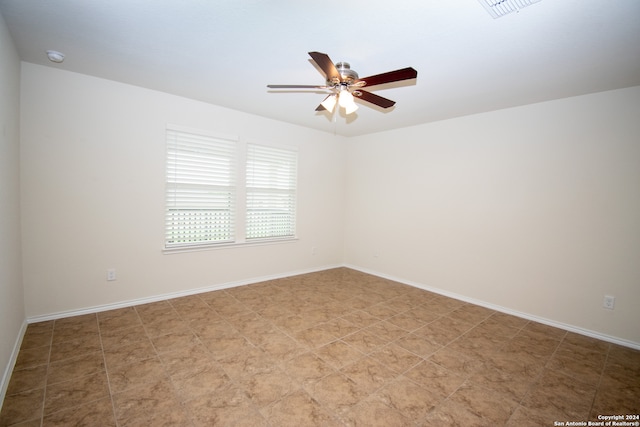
<point>332,348</point>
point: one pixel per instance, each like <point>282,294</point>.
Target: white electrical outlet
<point>609,302</point>
<point>111,274</point>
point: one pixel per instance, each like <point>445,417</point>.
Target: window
<point>212,198</point>
<point>271,192</point>
<point>201,189</point>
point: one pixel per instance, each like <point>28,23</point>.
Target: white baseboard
<point>6,375</point>
<point>549,322</point>
<point>171,295</point>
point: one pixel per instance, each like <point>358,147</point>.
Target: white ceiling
<point>225,52</point>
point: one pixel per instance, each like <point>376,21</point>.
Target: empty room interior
<point>462,249</point>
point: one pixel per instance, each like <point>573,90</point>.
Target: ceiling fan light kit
<point>345,84</point>
<point>499,8</point>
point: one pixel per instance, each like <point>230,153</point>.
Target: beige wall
<point>12,317</point>
<point>533,209</point>
<point>93,194</point>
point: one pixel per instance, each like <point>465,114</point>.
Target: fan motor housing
<point>346,73</point>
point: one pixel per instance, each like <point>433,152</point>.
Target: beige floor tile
<point>337,392</point>
<point>307,369</point>
<point>280,347</point>
<point>458,363</point>
<point>23,406</point>
<point>250,361</point>
<point>525,417</point>
<point>450,413</point>
<point>373,412</point>
<point>340,327</point>
<point>202,313</point>
<point>396,358</point>
<point>33,377</point>
<point>566,396</point>
<point>141,402</point>
<point>493,327</point>
<point>229,407</point>
<point>173,416</point>
<point>408,398</point>
<point>471,313</point>
<point>121,318</point>
<point>174,341</point>
<point>315,337</point>
<point>37,335</point>
<point>75,392</point>
<point>406,321</point>
<point>418,345</point>
<point>361,318</point>
<point>267,387</point>
<point>369,374</point>
<point>213,330</point>
<point>496,408</point>
<point>75,347</point>
<point>381,311</point>
<point>545,330</point>
<point>475,346</point>
<point>185,359</point>
<point>120,336</point>
<point>298,409</point>
<point>76,322</point>
<point>366,340</point>
<point>165,326</point>
<point>435,378</point>
<point>333,348</point>
<point>35,356</point>
<point>578,362</point>
<point>201,379</point>
<point>129,353</point>
<point>124,377</point>
<point>74,367</point>
<point>388,331</point>
<point>533,343</point>
<point>436,334</point>
<point>616,397</point>
<point>338,354</point>
<point>224,347</point>
<point>95,413</point>
<point>152,311</point>
<point>455,325</point>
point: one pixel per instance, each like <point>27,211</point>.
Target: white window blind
<point>200,189</point>
<point>271,192</point>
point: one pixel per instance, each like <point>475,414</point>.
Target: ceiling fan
<point>344,84</point>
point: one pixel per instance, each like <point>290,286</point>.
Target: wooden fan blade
<point>320,108</point>
<point>373,98</point>
<point>296,87</point>
<point>389,77</point>
<point>326,65</point>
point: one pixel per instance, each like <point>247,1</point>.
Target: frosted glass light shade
<point>346,101</point>
<point>330,102</point>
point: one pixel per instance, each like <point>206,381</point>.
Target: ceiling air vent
<point>498,8</point>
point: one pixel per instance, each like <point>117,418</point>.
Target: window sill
<point>214,246</point>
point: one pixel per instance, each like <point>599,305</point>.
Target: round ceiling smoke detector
<point>55,56</point>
